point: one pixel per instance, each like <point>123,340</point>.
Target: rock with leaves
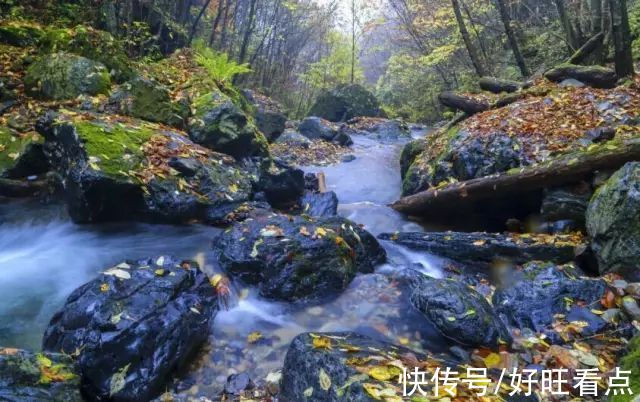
<point>297,258</point>
<point>346,102</point>
<point>133,326</point>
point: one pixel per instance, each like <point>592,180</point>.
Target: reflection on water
<point>43,257</point>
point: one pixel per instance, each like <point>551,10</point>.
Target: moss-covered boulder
<point>19,33</point>
<point>346,102</point>
<point>630,362</point>
<point>21,154</point>
<point>93,44</point>
<point>223,126</point>
<point>295,258</point>
<point>269,114</point>
<point>613,223</point>
<point>26,376</point>
<point>149,100</point>
<point>61,76</point>
<point>595,76</point>
<point>118,168</point>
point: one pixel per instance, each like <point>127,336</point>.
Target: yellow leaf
<point>372,390</point>
<point>215,280</point>
<point>322,342</point>
<point>159,272</point>
<point>104,287</point>
<point>324,380</point>
<point>320,232</point>
<point>479,242</point>
<point>254,337</point>
<point>492,360</point>
<point>384,373</point>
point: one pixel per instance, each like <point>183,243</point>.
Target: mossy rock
<point>595,76</point>
<point>149,100</point>
<point>26,376</point>
<point>20,33</point>
<point>346,102</point>
<point>61,76</point>
<point>118,168</point>
<point>222,125</point>
<point>93,44</point>
<point>630,361</point>
<point>20,154</point>
<point>613,223</point>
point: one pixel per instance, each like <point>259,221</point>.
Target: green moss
<point>115,149</point>
<point>12,146</point>
<point>21,33</point>
<point>631,361</point>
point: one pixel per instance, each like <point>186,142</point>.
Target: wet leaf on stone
<point>118,273</point>
<point>384,373</point>
<point>324,380</point>
<point>372,390</point>
<point>254,337</point>
<point>308,392</point>
<point>118,380</point>
<point>104,287</point>
<point>322,342</point>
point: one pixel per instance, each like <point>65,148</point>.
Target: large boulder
<point>316,128</point>
<point>223,126</point>
<point>269,114</point>
<point>133,326</point>
<point>613,222</point>
<point>21,155</point>
<point>281,184</point>
<point>346,102</point>
<point>542,290</point>
<point>26,376</point>
<point>595,76</point>
<point>487,248</point>
<point>378,128</point>
<point>149,100</point>
<point>459,312</point>
<point>61,76</point>
<point>297,258</point>
<point>125,169</point>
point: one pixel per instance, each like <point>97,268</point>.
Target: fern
<point>218,65</point>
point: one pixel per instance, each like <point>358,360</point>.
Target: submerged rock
<point>21,155</point>
<point>61,76</point>
<point>223,126</point>
<point>295,258</point>
<point>459,312</point>
<point>346,102</point>
<point>544,290</point>
<point>487,247</point>
<point>133,326</point>
<point>26,376</point>
<point>149,100</point>
<point>126,169</point>
<point>613,223</point>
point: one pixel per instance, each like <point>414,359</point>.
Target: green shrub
<point>218,65</point>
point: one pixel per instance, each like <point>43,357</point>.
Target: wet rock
<point>315,128</point>
<point>466,157</point>
<point>409,154</point>
<point>630,307</point>
<point>544,290</point>
<point>348,158</point>
<point>297,258</point>
<point>319,204</point>
<point>459,312</point>
<point>566,204</point>
<point>613,223</point>
<point>61,76</point>
<point>223,126</point>
<point>346,102</point>
<point>342,139</point>
<point>120,169</point>
<point>572,83</point>
<point>282,184</point>
<point>238,383</point>
<point>331,375</point>
<point>133,326</point>
<point>21,155</point>
<point>26,376</point>
<point>293,138</point>
<point>486,247</point>
<point>149,100</point>
<point>595,76</point>
<point>269,114</point>
<point>382,129</point>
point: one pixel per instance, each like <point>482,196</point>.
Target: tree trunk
<point>596,16</point>
<point>216,22</point>
<point>353,41</point>
<point>248,32</point>
<point>591,46</point>
<point>473,55</point>
<point>567,26</point>
<point>506,21</point>
<point>621,38</point>
<point>194,28</point>
<point>567,169</point>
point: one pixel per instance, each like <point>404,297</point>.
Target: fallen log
<point>22,188</point>
<point>565,169</point>
<point>594,76</point>
<point>589,47</point>
<point>463,103</point>
<point>497,85</point>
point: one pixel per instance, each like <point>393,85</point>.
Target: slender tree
<point>621,38</point>
<point>569,32</point>
<point>513,42</point>
<point>473,55</point>
<point>248,31</point>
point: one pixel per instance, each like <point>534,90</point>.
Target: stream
<point>44,257</point>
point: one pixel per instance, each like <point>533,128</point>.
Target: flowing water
<point>43,257</point>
